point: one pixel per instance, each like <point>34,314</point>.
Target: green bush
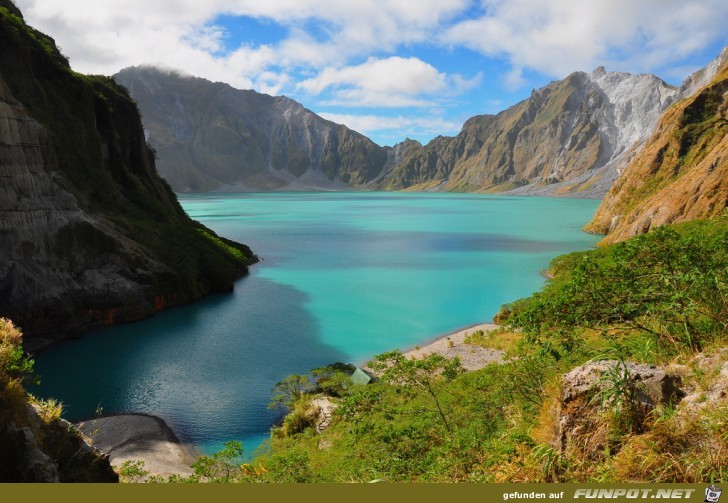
<point>670,285</point>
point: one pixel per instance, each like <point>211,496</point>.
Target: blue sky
<point>390,69</point>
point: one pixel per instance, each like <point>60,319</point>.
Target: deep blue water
<point>343,276</point>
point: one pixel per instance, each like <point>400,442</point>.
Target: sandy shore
<point>142,437</point>
<point>452,345</point>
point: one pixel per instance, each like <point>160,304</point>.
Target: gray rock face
<point>210,136</point>
<point>50,247</point>
<point>579,423</point>
<point>702,77</point>
<point>652,384</point>
<point>130,437</point>
<point>34,465</point>
<point>625,109</point>
<point>34,450</point>
<point>321,410</point>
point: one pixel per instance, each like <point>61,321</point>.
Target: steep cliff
<point>566,138</point>
<point>89,233</point>
<point>681,173</point>
<point>210,136</point>
<point>36,445</point>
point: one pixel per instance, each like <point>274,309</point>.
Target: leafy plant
<point>671,286</point>
<point>427,374</point>
<point>132,471</point>
<point>223,466</point>
<point>617,390</point>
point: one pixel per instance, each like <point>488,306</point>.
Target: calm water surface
<point>343,276</point>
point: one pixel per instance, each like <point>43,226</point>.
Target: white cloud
<point>410,126</point>
<point>556,37</point>
<point>105,36</point>
<point>390,82</point>
<point>553,37</point>
<point>393,81</point>
<point>353,57</point>
<point>514,79</point>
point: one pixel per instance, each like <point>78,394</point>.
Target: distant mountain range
<point>568,138</point>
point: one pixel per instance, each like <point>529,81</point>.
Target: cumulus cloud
<point>392,81</point>
<point>389,82</point>
<point>349,52</point>
<point>553,37</point>
<point>121,33</point>
<point>556,37</point>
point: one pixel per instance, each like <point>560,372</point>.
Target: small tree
<point>427,374</point>
<point>289,391</point>
<point>333,380</point>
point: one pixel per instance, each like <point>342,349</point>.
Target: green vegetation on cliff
<point>103,230</point>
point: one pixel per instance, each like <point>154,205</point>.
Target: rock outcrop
<point>624,390</point>
<point>90,235</point>
<point>681,172</point>
<point>36,445</point>
<point>321,410</point>
<point>139,437</point>
<point>210,136</point>
<point>49,452</point>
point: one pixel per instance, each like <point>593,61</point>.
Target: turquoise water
<point>343,276</point>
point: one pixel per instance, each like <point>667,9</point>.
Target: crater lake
<point>342,277</point>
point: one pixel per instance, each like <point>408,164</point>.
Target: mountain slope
<point>567,137</point>
<point>210,136</point>
<point>682,172</point>
<point>89,233</point>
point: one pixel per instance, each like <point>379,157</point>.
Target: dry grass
<point>12,394</point>
<point>500,339</point>
<point>49,410</point>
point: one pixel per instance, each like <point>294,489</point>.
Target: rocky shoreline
<point>143,437</point>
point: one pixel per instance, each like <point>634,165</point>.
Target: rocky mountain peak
<point>702,77</point>
<point>634,105</point>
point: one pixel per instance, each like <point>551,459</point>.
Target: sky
<point>390,69</point>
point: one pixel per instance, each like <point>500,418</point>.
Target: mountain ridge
<point>243,140</point>
<point>569,138</point>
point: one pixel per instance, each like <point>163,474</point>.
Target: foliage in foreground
<point>67,458</point>
<point>668,289</point>
<point>660,298</point>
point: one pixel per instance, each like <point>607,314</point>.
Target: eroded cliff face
<point>567,138</point>
<point>89,233</point>
<point>210,136</point>
<point>681,173</point>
